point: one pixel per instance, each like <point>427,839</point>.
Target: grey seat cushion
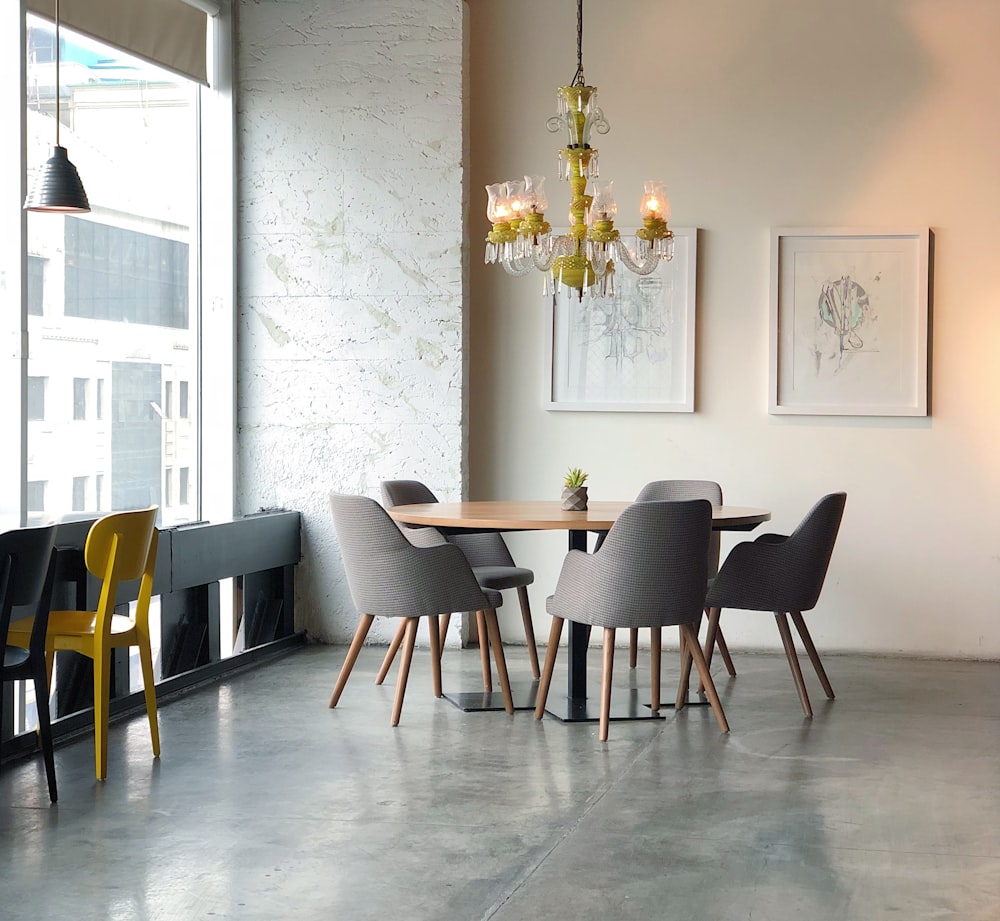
<point>502,577</point>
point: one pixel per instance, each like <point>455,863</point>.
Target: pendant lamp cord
<point>57,73</point>
<point>578,79</point>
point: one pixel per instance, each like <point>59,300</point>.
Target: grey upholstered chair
<point>673,491</point>
<point>650,571</point>
<point>783,574</point>
<point>389,576</point>
<point>27,569</point>
<point>491,562</point>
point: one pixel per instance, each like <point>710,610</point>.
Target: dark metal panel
<point>205,553</point>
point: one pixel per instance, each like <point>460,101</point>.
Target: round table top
<point>503,515</point>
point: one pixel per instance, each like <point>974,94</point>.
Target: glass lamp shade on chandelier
<point>586,256</point>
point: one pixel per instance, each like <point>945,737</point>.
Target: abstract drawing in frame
<point>849,321</point>
<point>633,352</point>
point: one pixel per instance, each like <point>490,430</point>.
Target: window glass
<point>79,493</point>
<point>116,306</point>
<point>79,398</point>
<point>36,495</point>
<point>36,399</point>
<point>36,279</point>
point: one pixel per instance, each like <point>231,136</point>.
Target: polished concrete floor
<point>267,805</point>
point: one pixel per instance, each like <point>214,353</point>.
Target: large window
<point>115,322</point>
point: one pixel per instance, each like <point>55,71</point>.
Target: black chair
<point>491,563</point>
<point>391,576</point>
<point>782,574</point>
<point>27,570</point>
<point>649,572</point>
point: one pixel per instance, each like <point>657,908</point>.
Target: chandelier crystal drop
<point>585,258</point>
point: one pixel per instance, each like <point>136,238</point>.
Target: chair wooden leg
<point>807,641</point>
<point>723,647</point>
<point>607,670</point>
<point>683,685</point>
<point>445,621</point>
<point>633,647</point>
<point>793,661</point>
<point>711,640</point>
<point>45,727</point>
<point>404,667</point>
<point>102,694</point>
<point>654,668</point>
<point>555,634</point>
<point>149,692</point>
<point>484,650</point>
<point>364,625</point>
<point>705,673</point>
<point>434,631</point>
<point>529,629</point>
<point>493,627</point>
<point>391,652</point>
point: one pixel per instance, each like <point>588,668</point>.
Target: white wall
<point>763,114</point>
<point>351,277</point>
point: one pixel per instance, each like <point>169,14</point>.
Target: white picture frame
<point>849,322</point>
<point>637,357</point>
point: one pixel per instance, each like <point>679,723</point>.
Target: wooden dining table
<point>542,515</point>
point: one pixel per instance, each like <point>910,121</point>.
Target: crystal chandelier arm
<point>517,267</point>
<point>644,266</point>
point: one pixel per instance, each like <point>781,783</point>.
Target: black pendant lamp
<point>57,187</point>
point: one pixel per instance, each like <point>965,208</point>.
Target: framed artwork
<point>633,352</point>
<point>849,315</point>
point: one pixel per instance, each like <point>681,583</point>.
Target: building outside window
<point>168,487</point>
<point>99,400</point>
<point>185,485</point>
<point>168,399</point>
<point>99,492</point>
<point>183,400</point>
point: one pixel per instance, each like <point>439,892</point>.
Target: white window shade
<point>169,33</point>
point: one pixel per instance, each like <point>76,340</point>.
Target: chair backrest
<point>488,549</point>
<point>811,546</point>
<point>389,576</point>
<point>652,569</point>
<point>27,569</point>
<point>405,492</point>
<point>676,490</point>
<point>121,547</point>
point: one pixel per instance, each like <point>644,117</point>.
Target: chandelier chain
<point>578,79</point>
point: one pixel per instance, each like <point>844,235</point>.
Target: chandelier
<point>588,254</point>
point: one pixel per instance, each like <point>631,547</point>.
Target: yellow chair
<point>120,547</point>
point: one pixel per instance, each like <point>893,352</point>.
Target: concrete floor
<point>267,805</point>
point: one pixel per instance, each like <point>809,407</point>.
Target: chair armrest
<point>747,578</point>
<point>423,537</point>
<point>573,587</point>
<point>771,539</point>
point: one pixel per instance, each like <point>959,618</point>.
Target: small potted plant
<point>574,494</point>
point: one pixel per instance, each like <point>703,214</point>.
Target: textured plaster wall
<point>771,113</point>
<point>350,278</point>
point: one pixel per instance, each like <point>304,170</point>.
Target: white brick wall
<point>351,279</point>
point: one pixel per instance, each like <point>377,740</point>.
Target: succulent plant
<point>575,478</point>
